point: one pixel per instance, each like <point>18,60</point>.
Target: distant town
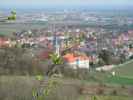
<point>86,35</point>
<point>66,50</point>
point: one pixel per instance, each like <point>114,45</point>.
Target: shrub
<point>114,92</point>
<point>94,98</point>
<point>17,61</point>
<point>100,91</point>
<point>123,86</point>
<point>64,92</point>
<point>16,88</point>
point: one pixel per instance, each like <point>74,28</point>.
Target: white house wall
<point>81,64</point>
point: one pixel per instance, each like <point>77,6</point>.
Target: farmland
<point>9,28</point>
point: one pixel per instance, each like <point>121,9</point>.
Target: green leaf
<point>39,77</point>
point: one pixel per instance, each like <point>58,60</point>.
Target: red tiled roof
<point>72,58</point>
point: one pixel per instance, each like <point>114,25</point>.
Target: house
<point>105,68</point>
<point>76,61</point>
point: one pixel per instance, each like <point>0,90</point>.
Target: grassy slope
<point>125,70</point>
<point>124,75</point>
<point>107,78</point>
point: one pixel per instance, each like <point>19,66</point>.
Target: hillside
<point>125,70</point>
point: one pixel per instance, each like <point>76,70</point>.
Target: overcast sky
<point>51,3</point>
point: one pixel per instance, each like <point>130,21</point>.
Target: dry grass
<point>20,88</point>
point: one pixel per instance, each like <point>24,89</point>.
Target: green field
<point>125,70</point>
<point>119,80</point>
<point>108,79</point>
<point>124,75</point>
<point>8,28</point>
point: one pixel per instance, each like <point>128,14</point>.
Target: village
<point>77,46</point>
<point>66,50</point>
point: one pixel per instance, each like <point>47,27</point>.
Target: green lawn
<point>119,80</point>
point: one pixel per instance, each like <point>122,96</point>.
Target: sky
<point>68,3</point>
